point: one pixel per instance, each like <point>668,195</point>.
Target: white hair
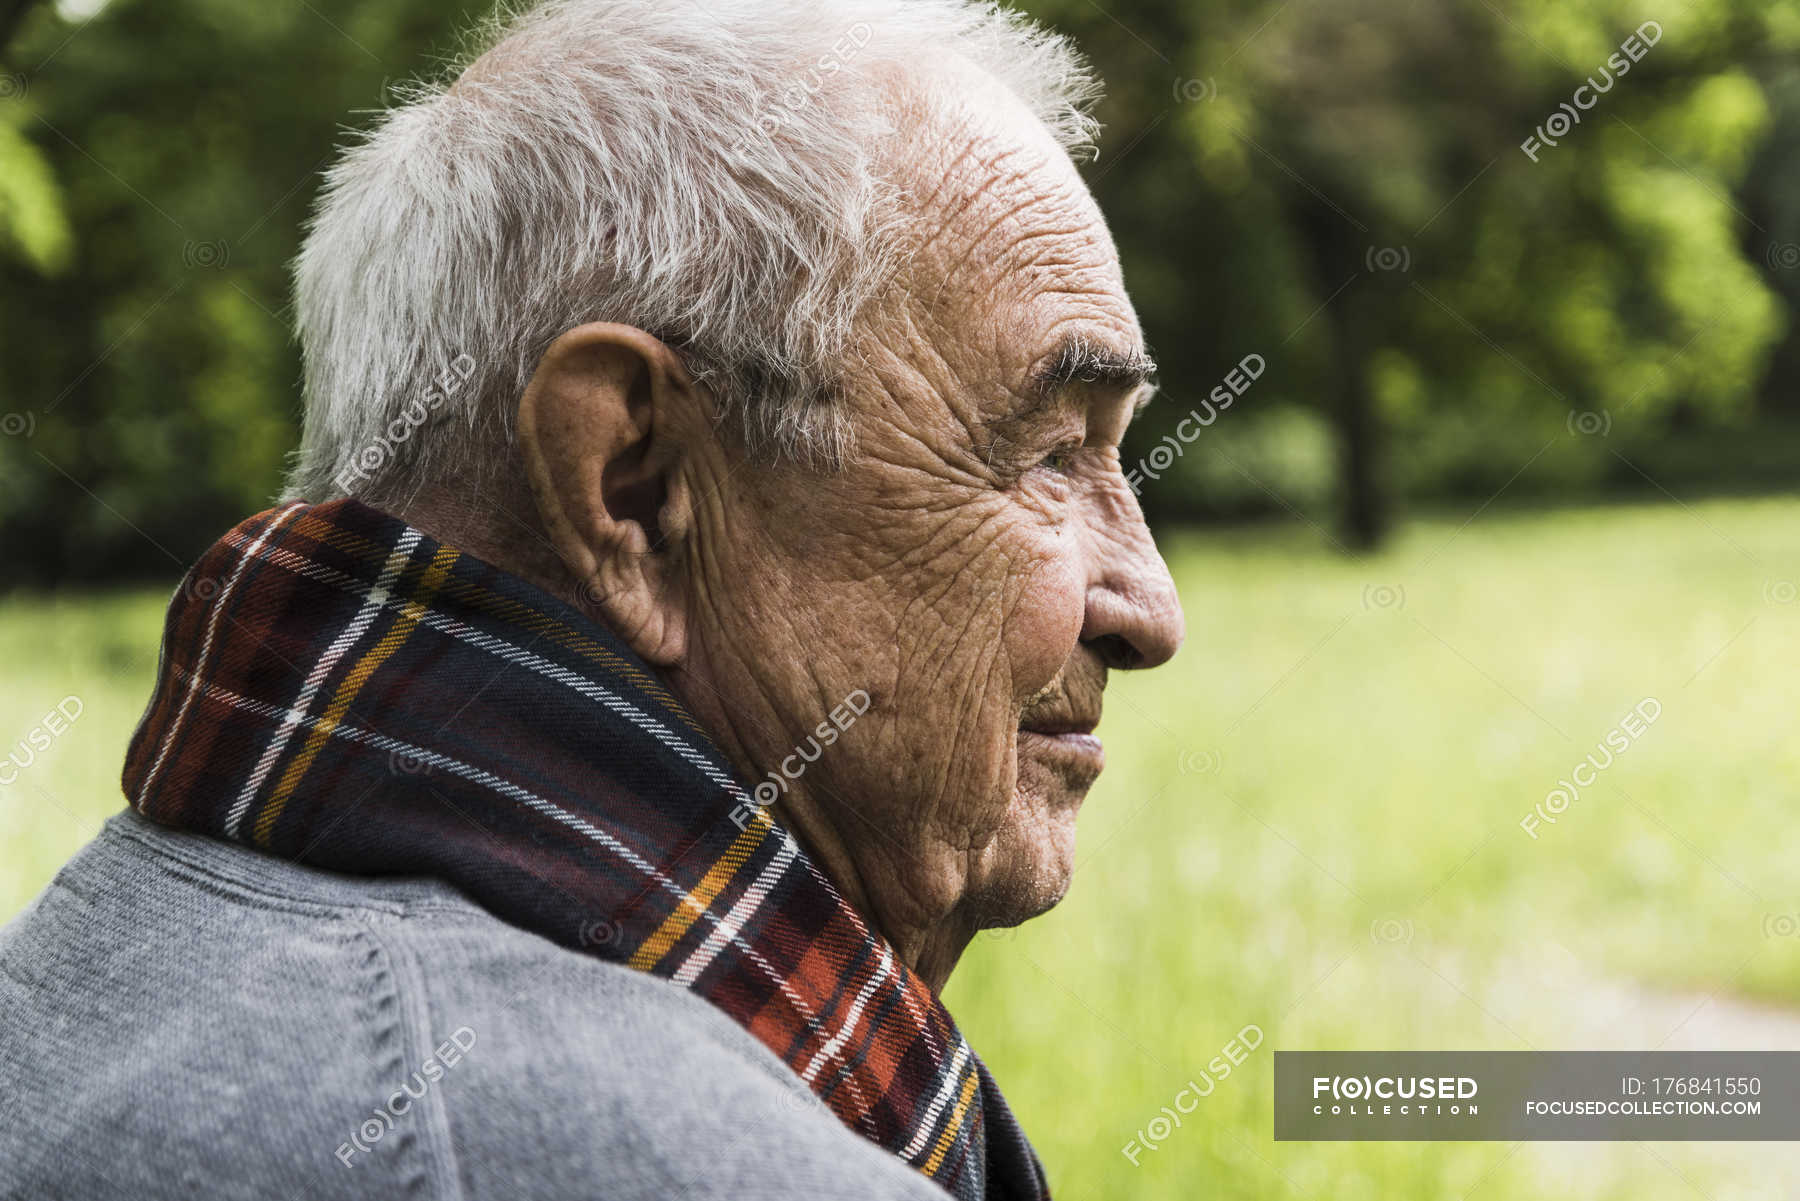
<point>714,174</point>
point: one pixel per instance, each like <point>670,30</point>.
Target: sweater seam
<point>438,1170</point>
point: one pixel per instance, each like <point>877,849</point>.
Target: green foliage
<point>1341,187</point>
<point>32,225</point>
<point>1337,187</point>
<point>150,390</point>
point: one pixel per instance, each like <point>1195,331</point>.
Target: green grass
<point>1310,823</point>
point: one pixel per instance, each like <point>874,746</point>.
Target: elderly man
<point>716,551</point>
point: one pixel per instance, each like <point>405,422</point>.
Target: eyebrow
<point>1079,361</point>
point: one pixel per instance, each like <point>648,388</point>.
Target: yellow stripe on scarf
<point>652,950</point>
<point>435,573</point>
<point>951,1127</point>
<point>322,531</point>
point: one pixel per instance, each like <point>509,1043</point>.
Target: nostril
<point>1117,652</point>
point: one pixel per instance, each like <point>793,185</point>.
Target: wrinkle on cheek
<point>974,640</point>
<point>1044,625</point>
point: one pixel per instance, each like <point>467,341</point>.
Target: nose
<point>1133,616</point>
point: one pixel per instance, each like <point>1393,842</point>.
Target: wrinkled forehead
<point>1008,258</point>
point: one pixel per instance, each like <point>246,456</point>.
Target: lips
<point>1076,757</point>
<point>1055,727</point>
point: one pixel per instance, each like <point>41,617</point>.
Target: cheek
<point>1045,622</point>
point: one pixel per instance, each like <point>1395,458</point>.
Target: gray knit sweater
<point>188,1019</point>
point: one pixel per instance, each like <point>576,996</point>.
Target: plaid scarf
<point>338,688</point>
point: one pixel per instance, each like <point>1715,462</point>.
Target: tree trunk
<point>1364,516</point>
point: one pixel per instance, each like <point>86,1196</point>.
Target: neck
<point>930,948</point>
<point>872,872</point>
<point>928,940</point>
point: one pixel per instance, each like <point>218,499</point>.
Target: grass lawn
<point>1311,824</point>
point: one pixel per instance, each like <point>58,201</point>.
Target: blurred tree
<point>1369,161</point>
<point>1337,187</point>
<point>149,390</point>
<point>32,225</point>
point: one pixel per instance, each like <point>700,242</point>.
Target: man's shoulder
<point>240,1025</point>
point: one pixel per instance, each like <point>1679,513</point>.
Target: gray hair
<point>712,174</point>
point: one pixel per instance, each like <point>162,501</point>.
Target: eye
<point>1061,460</point>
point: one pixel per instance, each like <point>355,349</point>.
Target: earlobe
<point>601,428</point>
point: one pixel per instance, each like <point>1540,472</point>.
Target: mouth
<point>1067,743</point>
<point>1056,728</point>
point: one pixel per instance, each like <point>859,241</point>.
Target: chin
<point>1031,861</point>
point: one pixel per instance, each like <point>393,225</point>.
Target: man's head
<point>789,343</point>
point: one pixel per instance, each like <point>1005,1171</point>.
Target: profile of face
<point>976,569</point>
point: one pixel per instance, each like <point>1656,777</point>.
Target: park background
<point>1521,453</point>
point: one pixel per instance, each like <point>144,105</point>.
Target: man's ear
<point>603,429</point>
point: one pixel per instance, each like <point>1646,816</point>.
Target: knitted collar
<point>336,687</point>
